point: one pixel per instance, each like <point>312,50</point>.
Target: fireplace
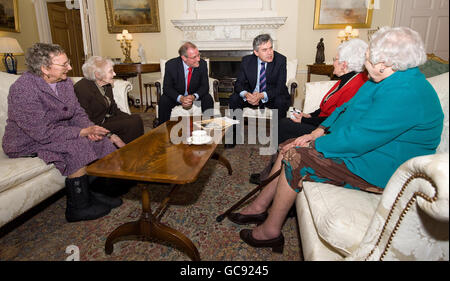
<point>224,66</point>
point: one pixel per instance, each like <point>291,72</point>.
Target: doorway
<point>430,19</point>
<point>65,27</point>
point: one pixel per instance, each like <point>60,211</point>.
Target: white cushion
<point>314,93</point>
<point>291,70</point>
<point>440,85</point>
<point>341,215</point>
<point>15,171</point>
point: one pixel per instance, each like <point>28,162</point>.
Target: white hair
<point>399,47</point>
<point>96,65</point>
<point>353,52</point>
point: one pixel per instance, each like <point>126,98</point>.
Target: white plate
<point>207,139</point>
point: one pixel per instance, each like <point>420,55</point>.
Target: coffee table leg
<point>149,227</point>
<point>223,160</point>
<point>127,229</point>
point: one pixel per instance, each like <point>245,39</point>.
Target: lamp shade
<point>9,45</point>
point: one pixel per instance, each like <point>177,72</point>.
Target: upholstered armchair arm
<point>412,218</point>
<point>292,85</point>
<point>214,88</point>
<point>120,93</point>
<point>158,86</point>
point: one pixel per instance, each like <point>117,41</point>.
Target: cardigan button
<point>65,108</point>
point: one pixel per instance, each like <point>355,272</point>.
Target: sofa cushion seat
<point>15,171</point>
<point>341,215</point>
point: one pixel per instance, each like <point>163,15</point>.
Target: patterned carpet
<point>193,211</point>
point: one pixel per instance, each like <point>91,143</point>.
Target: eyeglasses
<point>65,65</point>
<point>194,57</point>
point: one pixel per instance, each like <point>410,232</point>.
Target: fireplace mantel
<point>227,34</point>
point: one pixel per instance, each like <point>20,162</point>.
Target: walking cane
<point>246,197</point>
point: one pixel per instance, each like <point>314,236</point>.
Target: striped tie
<point>262,78</point>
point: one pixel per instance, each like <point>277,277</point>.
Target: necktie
<point>262,78</point>
<point>189,79</point>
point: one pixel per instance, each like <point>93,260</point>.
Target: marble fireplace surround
<point>227,34</point>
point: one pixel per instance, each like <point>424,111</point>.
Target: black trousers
<point>127,127</point>
<point>166,104</point>
<point>288,129</point>
<point>281,103</point>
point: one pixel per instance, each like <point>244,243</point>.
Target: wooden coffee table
<point>153,158</point>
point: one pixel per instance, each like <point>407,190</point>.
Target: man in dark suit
<point>251,89</point>
<point>261,81</point>
<point>185,81</point>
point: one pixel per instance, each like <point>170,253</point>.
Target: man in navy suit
<point>185,81</point>
<point>262,79</point>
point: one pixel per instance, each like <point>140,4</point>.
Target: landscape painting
<point>135,16</point>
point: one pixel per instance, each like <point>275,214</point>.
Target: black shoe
<point>255,179</point>
<point>80,205</point>
<point>106,200</point>
<point>277,244</point>
<point>247,219</point>
<point>229,145</point>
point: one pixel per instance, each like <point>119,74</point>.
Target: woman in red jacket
<point>348,66</point>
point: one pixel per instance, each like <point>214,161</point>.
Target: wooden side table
<point>320,69</point>
<point>126,71</point>
<point>147,105</point>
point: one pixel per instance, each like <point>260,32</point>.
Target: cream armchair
<point>291,83</point>
<point>409,221</point>
<point>196,109</point>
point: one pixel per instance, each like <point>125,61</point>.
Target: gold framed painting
<point>137,16</point>
<point>337,14</point>
<point>9,16</point>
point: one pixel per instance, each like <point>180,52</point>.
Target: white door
<point>430,19</point>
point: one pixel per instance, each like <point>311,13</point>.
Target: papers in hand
<point>219,123</point>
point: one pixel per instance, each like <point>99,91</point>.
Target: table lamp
<point>125,39</point>
<point>348,33</point>
<point>8,47</point>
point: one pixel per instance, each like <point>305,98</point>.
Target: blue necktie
<point>262,78</point>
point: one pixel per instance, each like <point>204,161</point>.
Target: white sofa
<point>409,221</point>
<point>25,182</point>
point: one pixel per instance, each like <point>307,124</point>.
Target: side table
<point>320,69</point>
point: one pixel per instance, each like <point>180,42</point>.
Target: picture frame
<point>9,16</point>
<point>337,14</point>
<point>138,16</point>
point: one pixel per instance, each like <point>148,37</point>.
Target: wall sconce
<point>8,47</point>
<point>125,39</point>
<point>348,33</point>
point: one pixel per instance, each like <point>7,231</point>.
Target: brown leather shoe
<point>277,244</point>
<point>247,219</point>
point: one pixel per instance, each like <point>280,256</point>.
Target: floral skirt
<point>307,164</point>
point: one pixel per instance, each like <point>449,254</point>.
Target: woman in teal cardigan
<point>393,117</point>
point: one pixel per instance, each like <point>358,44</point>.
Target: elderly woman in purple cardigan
<point>46,120</point>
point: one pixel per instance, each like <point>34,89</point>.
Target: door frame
<point>88,23</point>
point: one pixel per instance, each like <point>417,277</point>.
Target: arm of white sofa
<point>120,93</point>
<point>411,221</point>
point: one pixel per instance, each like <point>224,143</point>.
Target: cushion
<point>341,215</point>
<point>15,171</point>
<point>291,70</point>
<point>440,85</point>
<point>314,93</point>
